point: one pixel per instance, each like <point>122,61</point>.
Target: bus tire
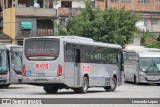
<point>84,87</point>
<point>113,85</point>
<point>50,89</point>
<point>7,85</point>
<point>158,84</point>
<point>2,85</point>
<point>135,80</point>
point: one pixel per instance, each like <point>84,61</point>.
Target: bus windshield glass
<point>3,62</point>
<point>16,59</point>
<point>150,65</point>
<point>41,49</point>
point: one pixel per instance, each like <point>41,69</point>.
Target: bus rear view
<point>41,61</point>
<point>71,62</point>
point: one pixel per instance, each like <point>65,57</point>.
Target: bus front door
<point>77,68</point>
<point>15,67</point>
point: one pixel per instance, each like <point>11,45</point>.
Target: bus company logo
<point>21,101</point>
<point>6,101</point>
<point>42,66</point>
<point>86,68</point>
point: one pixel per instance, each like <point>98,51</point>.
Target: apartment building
<point>68,8</point>
<point>25,18</point>
<point>149,11</point>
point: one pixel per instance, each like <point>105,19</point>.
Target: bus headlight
<point>142,74</point>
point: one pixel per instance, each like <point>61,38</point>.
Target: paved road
<point>127,90</point>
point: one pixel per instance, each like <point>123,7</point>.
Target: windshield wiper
<point>149,68</point>
<point>155,65</point>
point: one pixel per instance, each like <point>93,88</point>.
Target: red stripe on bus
<point>41,54</point>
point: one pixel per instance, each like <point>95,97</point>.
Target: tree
<point>149,41</point>
<point>108,26</point>
<point>147,38</point>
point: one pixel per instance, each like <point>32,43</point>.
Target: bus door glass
<point>120,64</point>
<point>16,59</point>
<point>3,62</point>
<point>77,67</point>
<point>120,60</point>
<point>131,64</point>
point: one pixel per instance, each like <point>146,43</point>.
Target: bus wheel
<point>113,85</point>
<point>135,80</point>
<point>50,89</point>
<point>7,85</point>
<point>84,87</point>
<point>158,84</point>
<point>2,85</point>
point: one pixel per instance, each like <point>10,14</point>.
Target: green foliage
<point>153,45</point>
<point>108,26</point>
<point>61,30</point>
<point>145,37</point>
<point>149,41</point>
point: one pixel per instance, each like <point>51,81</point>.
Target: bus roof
<point>8,46</point>
<point>69,37</point>
<point>2,46</point>
<point>145,53</point>
<point>149,54</point>
<point>141,48</point>
<point>82,40</point>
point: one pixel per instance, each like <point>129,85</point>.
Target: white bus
<point>10,64</point>
<point>142,66</point>
<point>71,62</point>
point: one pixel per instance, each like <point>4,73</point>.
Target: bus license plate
<point>41,74</point>
<point>40,79</point>
<point>152,78</point>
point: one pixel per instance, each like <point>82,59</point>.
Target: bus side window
<point>68,52</point>
<point>131,56</point>
<point>124,56</point>
<point>77,55</point>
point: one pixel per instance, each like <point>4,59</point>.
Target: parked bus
<point>142,66</point>
<point>10,64</point>
<point>71,62</point>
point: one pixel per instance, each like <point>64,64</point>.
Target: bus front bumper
<point>145,80</point>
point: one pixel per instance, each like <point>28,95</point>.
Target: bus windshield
<point>16,59</point>
<point>3,62</point>
<point>42,49</point>
<point>150,65</point>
